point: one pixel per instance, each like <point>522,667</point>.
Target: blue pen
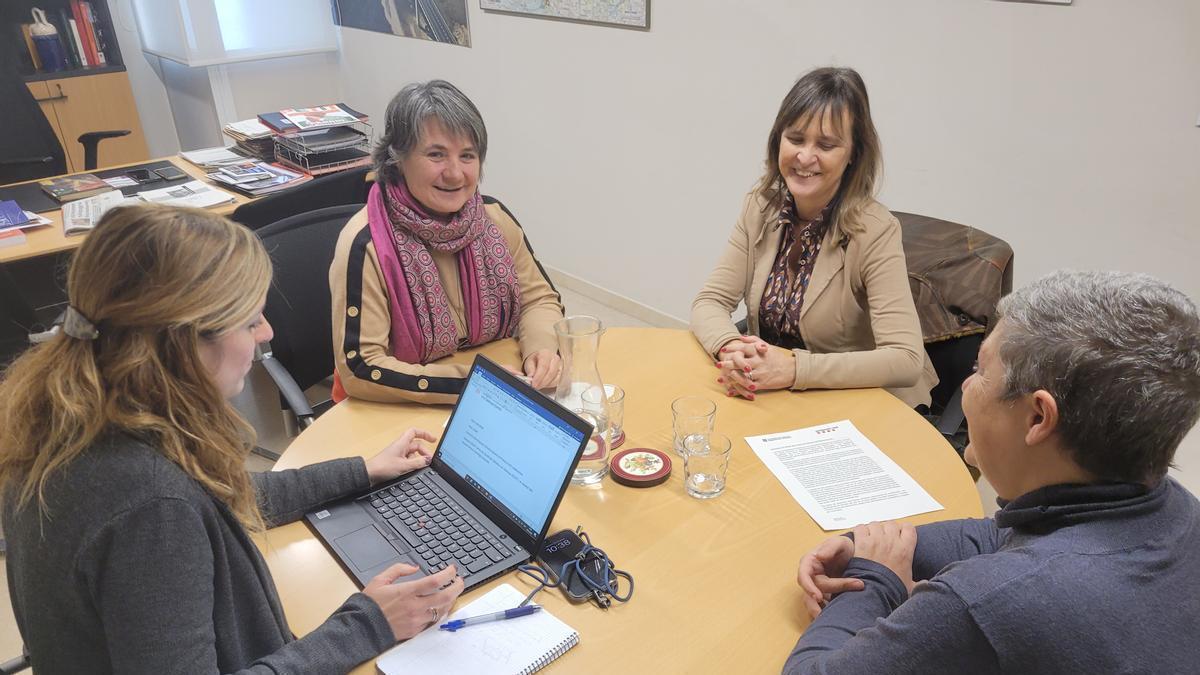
<point>495,616</point>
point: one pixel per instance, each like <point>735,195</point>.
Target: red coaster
<point>616,442</point>
<point>640,467</point>
<point>594,450</point>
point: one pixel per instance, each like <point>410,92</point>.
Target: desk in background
<point>50,239</point>
<point>715,580</point>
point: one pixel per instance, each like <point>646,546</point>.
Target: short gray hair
<point>408,110</point>
<point>1120,354</point>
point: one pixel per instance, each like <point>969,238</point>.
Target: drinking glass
<point>705,464</point>
<point>692,415</point>
<point>615,410</point>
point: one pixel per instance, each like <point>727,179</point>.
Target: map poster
<point>624,13</point>
<point>437,20</point>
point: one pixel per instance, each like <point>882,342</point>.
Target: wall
<point>1068,131</point>
<point>176,103</point>
<point>145,77</point>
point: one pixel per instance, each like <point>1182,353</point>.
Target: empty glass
<point>705,464</point>
<point>615,410</point>
<point>692,415</point>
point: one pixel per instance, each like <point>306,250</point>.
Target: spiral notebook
<point>513,647</point>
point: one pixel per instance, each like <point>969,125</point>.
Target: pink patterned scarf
<point>422,323</point>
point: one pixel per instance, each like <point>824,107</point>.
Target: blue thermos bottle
<point>45,40</point>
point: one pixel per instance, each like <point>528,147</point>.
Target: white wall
<point>145,78</point>
<point>176,103</point>
<point>1068,131</point>
<point>289,82</point>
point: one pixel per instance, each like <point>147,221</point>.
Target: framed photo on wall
<point>621,13</point>
<point>437,20</point>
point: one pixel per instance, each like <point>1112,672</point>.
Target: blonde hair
<point>155,281</point>
<point>831,92</point>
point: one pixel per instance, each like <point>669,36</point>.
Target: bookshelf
<point>14,13</point>
<point>80,98</point>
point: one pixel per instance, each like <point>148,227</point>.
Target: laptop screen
<point>508,447</point>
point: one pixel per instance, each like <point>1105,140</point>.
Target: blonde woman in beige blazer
<point>817,261</point>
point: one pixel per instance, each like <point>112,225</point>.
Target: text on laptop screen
<point>509,448</point>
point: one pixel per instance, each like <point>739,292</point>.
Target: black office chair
<point>344,187</point>
<point>29,150</point>
<point>298,307</point>
<point>957,274</point>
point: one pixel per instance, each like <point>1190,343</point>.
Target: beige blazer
<point>858,321</point>
<point>362,322</point>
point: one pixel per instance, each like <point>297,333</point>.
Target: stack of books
<point>13,220</point>
<point>320,140</point>
<point>257,178</point>
<point>252,139</point>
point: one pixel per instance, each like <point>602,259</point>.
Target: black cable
<point>602,581</point>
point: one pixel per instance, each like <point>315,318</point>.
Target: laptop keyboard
<point>438,529</point>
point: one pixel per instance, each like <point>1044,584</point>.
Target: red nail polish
<point>746,369</point>
<point>753,387</point>
<point>751,397</point>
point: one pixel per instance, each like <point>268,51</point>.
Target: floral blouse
<point>783,297</point>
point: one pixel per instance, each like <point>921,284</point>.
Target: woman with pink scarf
<point>430,266</point>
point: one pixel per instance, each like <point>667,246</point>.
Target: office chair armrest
<point>952,417</point>
<point>7,161</point>
<point>91,140</point>
<point>15,665</point>
<point>291,392</point>
<point>97,136</point>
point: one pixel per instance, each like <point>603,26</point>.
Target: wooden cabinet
<point>102,102</point>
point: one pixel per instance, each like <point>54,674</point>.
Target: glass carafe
<point>578,345</point>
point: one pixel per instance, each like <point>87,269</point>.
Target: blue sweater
<point>1066,579</point>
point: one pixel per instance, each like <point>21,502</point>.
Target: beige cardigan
<point>858,321</point>
<point>362,322</point>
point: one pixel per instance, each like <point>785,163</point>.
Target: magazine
<point>193,193</point>
<point>318,117</point>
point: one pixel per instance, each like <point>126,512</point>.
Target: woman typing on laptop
<point>125,502</point>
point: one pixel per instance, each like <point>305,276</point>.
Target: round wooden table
<point>715,579</point>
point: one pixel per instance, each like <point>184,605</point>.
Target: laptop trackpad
<point>366,548</point>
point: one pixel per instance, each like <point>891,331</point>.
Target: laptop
<point>484,503</point>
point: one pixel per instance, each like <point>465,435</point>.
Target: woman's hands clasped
<point>750,365</point>
<point>402,455</point>
<point>413,606</point>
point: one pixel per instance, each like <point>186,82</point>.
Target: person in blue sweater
<point>1082,393</point>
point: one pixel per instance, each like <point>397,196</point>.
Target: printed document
<point>840,477</point>
<point>192,193</point>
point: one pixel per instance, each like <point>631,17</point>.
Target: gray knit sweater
<point>1066,579</point>
<point>137,569</point>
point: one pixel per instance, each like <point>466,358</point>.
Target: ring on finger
<point>435,613</point>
